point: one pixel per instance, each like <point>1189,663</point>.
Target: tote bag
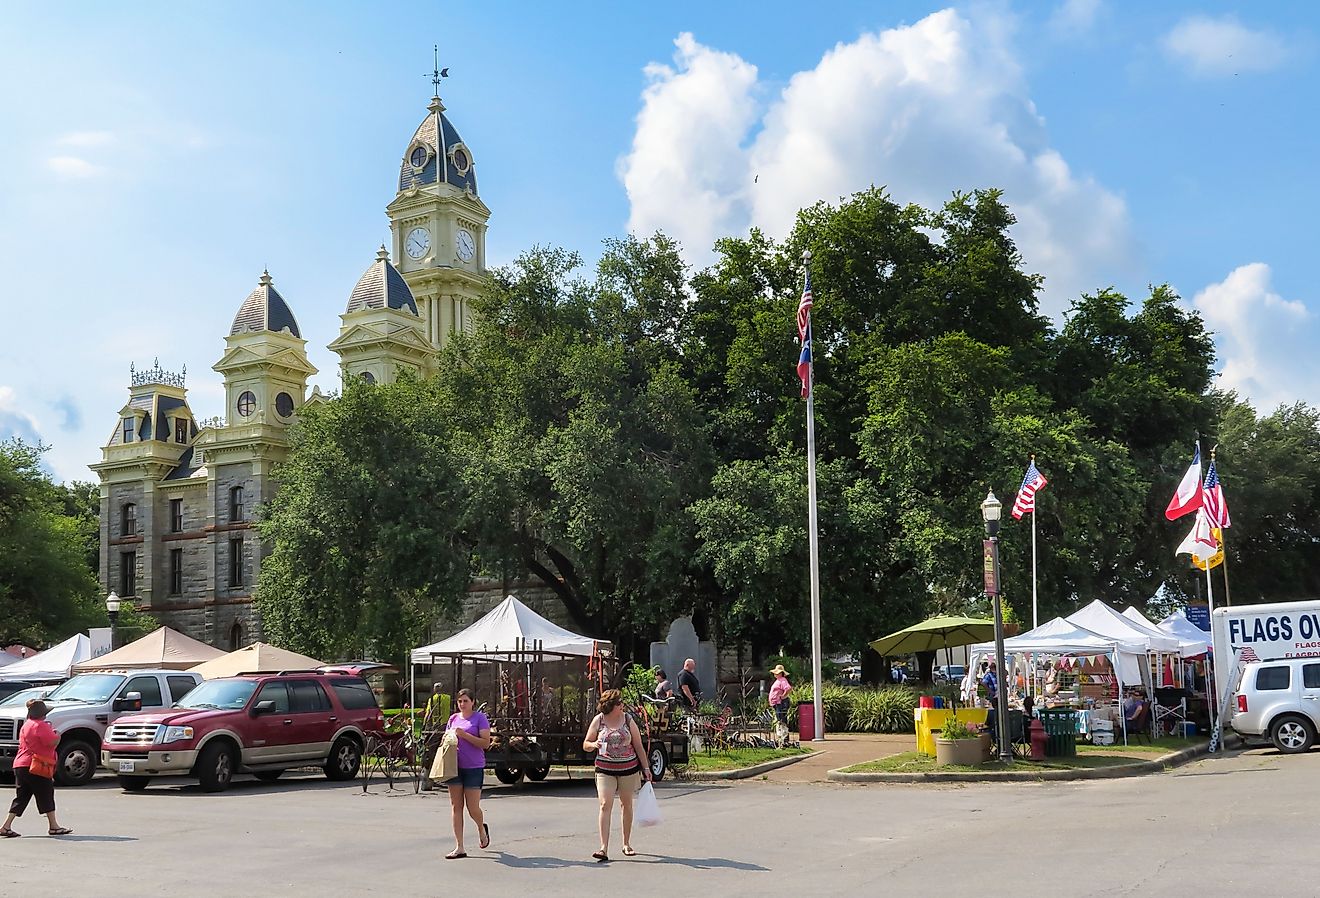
<point>42,767</point>
<point>445,765</point>
<point>646,809</point>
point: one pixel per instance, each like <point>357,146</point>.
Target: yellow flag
<point>1214,560</point>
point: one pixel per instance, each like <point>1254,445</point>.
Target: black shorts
<point>29,787</point>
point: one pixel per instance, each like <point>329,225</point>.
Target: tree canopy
<point>632,437</point>
<point>48,533</point>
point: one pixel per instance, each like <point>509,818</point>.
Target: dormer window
<point>128,429</point>
<point>128,520</point>
<point>418,157</point>
<point>180,430</point>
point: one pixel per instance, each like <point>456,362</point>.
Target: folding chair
<point>1139,726</point>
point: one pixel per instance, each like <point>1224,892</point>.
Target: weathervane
<point>438,73</point>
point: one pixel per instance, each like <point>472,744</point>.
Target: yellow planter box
<point>931,720</point>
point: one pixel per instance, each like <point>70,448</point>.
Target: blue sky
<point>153,161</point>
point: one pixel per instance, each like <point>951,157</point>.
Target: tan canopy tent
<point>256,657</point>
<point>164,648</point>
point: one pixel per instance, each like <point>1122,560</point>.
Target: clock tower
<point>438,226</point>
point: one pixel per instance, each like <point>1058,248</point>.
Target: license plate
<point>125,766</point>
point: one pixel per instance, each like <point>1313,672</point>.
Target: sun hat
<point>778,669</point>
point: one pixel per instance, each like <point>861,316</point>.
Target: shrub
<point>887,710</point>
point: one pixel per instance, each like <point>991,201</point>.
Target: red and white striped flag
<point>1212,498</point>
<point>1026,497</point>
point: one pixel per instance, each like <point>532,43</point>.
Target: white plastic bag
<point>646,810</point>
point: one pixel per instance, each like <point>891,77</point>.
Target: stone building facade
<point>178,495</point>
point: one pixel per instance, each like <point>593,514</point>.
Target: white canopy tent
<point>509,627</point>
<point>1061,636</point>
<point>1100,618</point>
<point>1193,641</point>
<point>7,659</point>
<point>54,663</point>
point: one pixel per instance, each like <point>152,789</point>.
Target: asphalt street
<point>1233,825</point>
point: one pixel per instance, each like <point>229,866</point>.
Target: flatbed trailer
<point>532,755</point>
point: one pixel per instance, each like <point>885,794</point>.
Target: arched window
<point>236,504</point>
<point>236,636</point>
<point>128,520</point>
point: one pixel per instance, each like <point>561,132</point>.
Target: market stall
<point>1061,664</point>
<point>52,664</point>
<point>163,648</point>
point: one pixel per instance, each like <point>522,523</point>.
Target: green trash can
<point>1061,732</point>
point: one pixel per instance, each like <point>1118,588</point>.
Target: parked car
<point>23,696</point>
<point>1280,700</point>
<point>254,723</point>
<point>82,708</point>
<point>950,673</point>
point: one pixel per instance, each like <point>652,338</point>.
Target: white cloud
<point>86,139</point>
<point>1074,16</point>
<point>14,422</point>
<point>72,167</point>
<point>1266,343</point>
<point>925,109</point>
<point>687,155</point>
<point>1224,46</point>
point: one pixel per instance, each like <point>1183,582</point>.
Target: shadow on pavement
<point>505,859</point>
<point>77,838</point>
<point>703,863</point>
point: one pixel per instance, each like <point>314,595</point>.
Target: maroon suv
<point>253,723</point>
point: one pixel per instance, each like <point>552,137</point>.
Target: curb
<point>755,770</point>
<point>1139,768</point>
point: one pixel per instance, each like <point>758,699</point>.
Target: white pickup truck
<point>81,709</point>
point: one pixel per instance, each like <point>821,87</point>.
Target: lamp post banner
<point>991,568</point>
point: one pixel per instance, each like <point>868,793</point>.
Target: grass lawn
<point>1160,746</point>
<point>736,758</point>
<point>917,762</point>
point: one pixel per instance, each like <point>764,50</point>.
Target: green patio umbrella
<point>935,633</point>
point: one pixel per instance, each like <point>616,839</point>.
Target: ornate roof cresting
<point>157,375</point>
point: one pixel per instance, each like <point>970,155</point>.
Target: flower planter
<point>967,752</point>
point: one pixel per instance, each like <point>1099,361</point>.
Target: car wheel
<point>268,776</point>
<point>76,764</point>
<point>1292,735</point>
<point>344,761</point>
<point>508,775</point>
<point>537,774</point>
<point>215,767</point>
<point>659,762</point>
<point>133,783</point>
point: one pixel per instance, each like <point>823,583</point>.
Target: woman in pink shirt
<point>34,770</point>
<point>779,702</point>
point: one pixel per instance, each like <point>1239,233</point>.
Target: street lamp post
<point>991,508</point>
<point>112,611</point>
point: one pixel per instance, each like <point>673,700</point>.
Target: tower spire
<point>437,74</point>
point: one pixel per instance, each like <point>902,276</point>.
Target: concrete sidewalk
<point>841,750</point>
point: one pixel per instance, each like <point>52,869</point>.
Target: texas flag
<point>1188,497</point>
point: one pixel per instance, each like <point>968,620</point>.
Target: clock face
<point>467,247</point>
<point>417,243</point>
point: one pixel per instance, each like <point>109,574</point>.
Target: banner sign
<point>100,640</point>
<point>1294,634</point>
<point>1199,615</point>
<point>991,568</point>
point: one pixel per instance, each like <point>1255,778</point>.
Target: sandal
<point>601,857</point>
<point>62,831</point>
<point>628,851</point>
<point>455,855</point>
<point>9,834</point>
<point>485,836</point>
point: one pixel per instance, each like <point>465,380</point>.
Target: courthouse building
<point>178,495</point>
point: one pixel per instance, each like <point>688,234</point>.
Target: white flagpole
<point>1209,587</point>
<point>813,541</point>
<point>1035,615</point>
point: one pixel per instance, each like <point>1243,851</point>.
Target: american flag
<point>804,310</point>
<point>1026,497</point>
<point>1247,654</point>
<point>1212,499</point>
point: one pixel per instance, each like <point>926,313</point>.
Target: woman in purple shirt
<point>473,732</point>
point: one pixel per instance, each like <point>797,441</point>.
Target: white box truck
<point>1271,632</point>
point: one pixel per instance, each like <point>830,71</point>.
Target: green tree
<point>367,548</point>
<point>47,588</point>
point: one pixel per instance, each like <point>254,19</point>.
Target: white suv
<point>1280,700</point>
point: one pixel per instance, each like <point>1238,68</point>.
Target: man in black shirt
<point>689,687</point>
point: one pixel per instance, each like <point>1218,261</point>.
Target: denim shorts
<point>468,778</point>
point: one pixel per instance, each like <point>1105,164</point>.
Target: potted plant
<point>956,744</point>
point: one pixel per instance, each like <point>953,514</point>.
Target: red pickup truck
<point>253,723</point>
